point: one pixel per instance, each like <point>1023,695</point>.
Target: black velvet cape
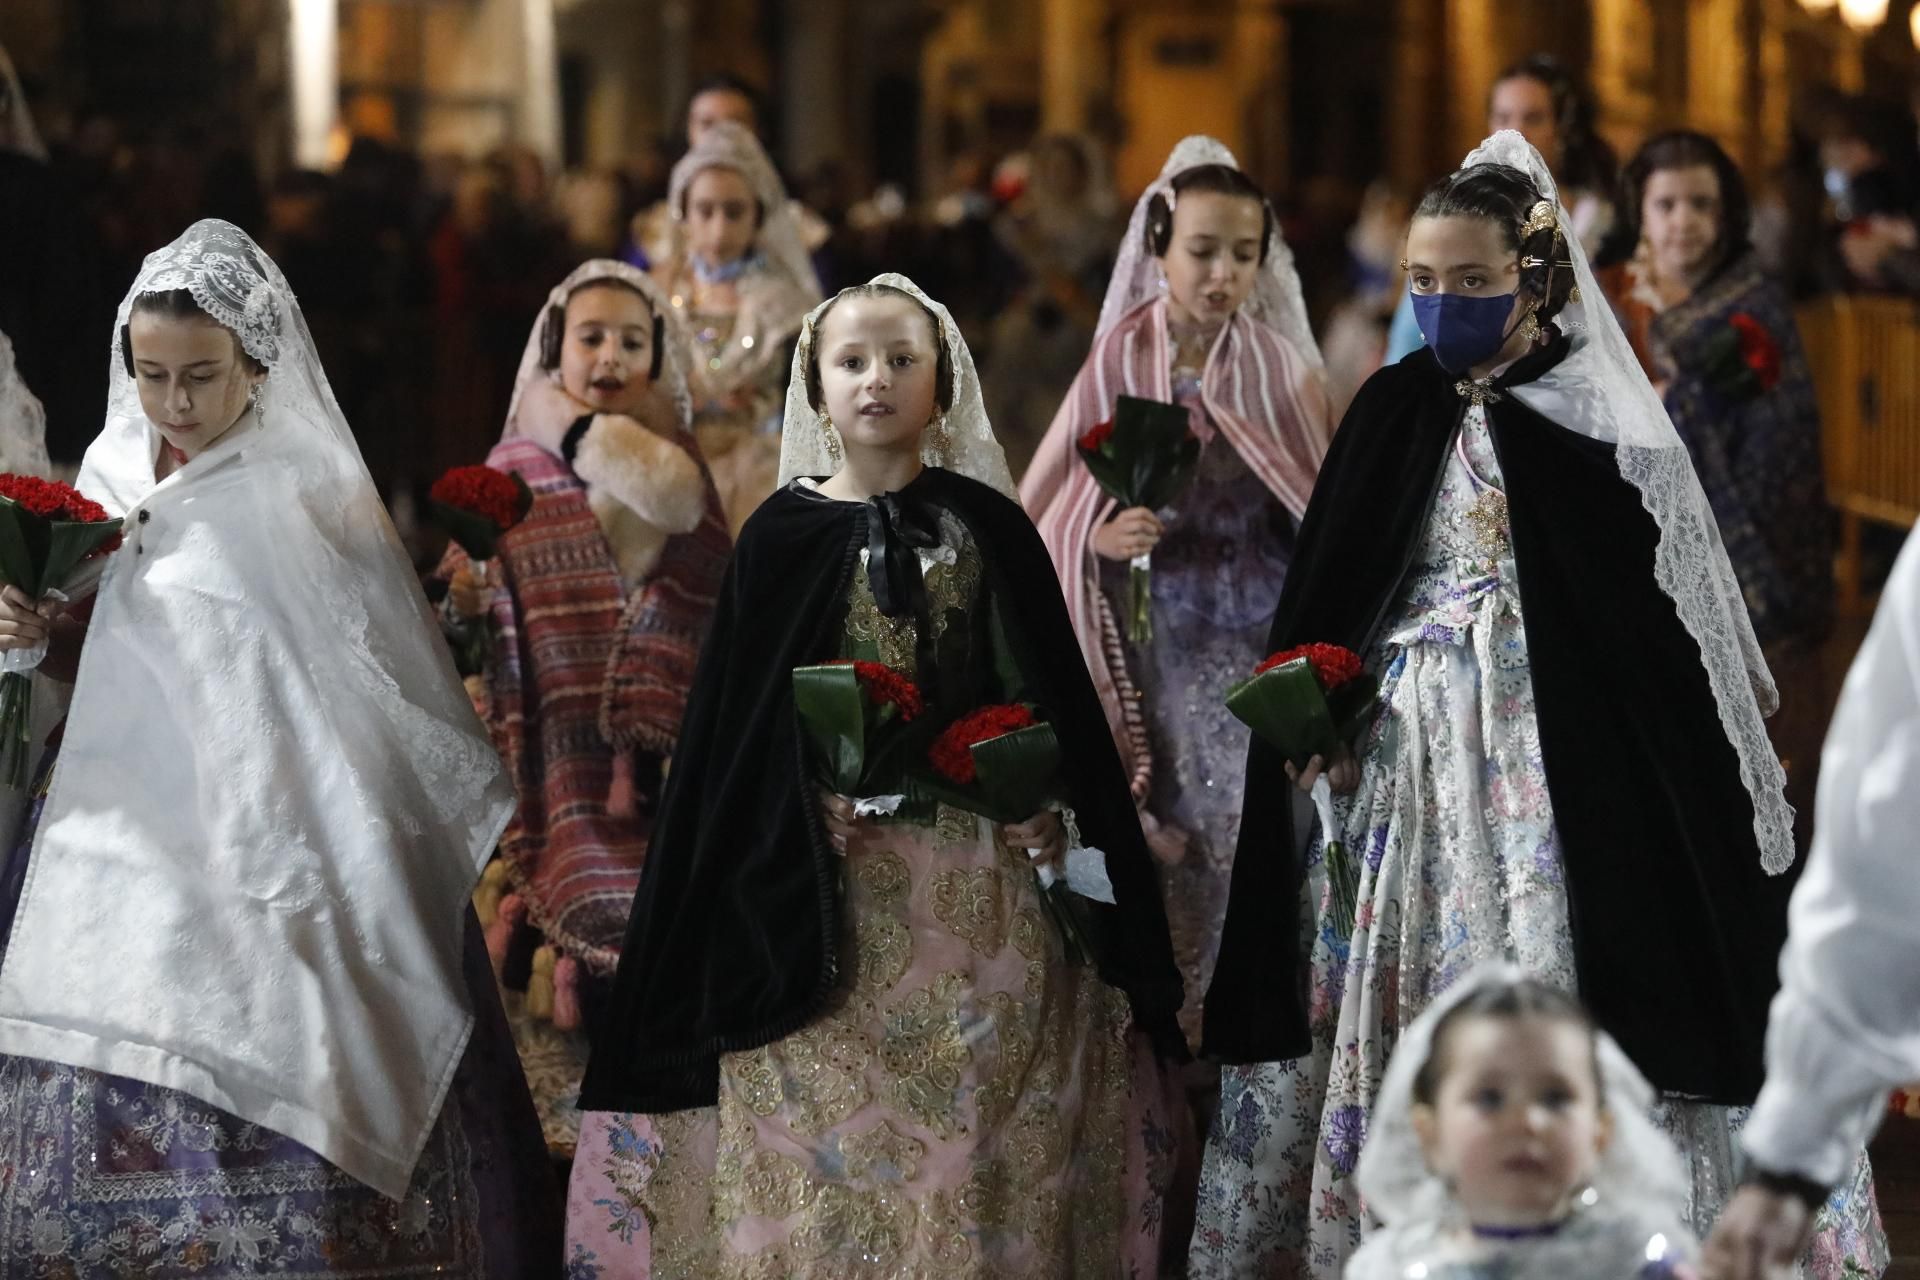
<point>1676,928</point>
<point>736,926</point>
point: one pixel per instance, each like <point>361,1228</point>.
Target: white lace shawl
<point>1276,300</point>
<point>1600,391</point>
<point>251,877</point>
<point>968,446</point>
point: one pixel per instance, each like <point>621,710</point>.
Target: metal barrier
<point>1864,351</point>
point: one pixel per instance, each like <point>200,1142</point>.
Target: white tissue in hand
<point>27,659</point>
<point>1086,875</point>
<point>23,659</point>
<point>877,806</point>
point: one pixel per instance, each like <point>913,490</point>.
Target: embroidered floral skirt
<point>102,1176</point>
<point>1461,864</point>
<point>961,1111</point>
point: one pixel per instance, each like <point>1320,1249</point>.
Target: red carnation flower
<point>1333,665</point>
<point>482,491</point>
<point>951,754</point>
<point>1096,435</point>
<point>886,686</point>
<point>1758,351</point>
<point>51,500</point>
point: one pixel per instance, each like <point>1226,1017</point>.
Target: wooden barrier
<point>1864,351</point>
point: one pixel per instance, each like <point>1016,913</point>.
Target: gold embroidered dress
<point>960,1109</point>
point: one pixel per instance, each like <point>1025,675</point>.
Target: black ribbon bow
<point>897,532</point>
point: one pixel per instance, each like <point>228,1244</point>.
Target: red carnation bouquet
<point>856,715</point>
<point>47,530</point>
<point>1742,360</point>
<point>476,506</point>
<point>479,504</point>
<point>1003,762</point>
<point>1142,457</point>
<point>1310,701</point>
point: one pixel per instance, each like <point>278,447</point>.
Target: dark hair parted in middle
<point>1503,195</point>
<point>1217,179</point>
<point>943,391</point>
<point>1682,149</point>
<point>177,304</point>
<point>1511,1001</point>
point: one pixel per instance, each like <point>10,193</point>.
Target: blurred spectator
<point>46,280</point>
<point>1354,338</point>
<point>1717,338</point>
<point>1058,234</point>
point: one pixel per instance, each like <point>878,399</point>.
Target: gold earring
<point>833,439</point>
<point>1530,326</point>
<point>938,437</point>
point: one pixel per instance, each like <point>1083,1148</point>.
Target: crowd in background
<point>405,260</point>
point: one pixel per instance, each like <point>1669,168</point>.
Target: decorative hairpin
<point>1529,262</point>
<point>1541,218</point>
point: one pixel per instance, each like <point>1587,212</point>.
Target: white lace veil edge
<point>968,445</point>
<point>1639,1174</point>
<point>23,421</point>
<point>1276,299</point>
<point>673,363</point>
<point>779,239</point>
<point>235,283</point>
<point>17,131</point>
<point>1600,391</point>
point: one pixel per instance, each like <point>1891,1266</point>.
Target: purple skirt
<point>101,1176</point>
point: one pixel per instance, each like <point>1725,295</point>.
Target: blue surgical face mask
<point>1463,330</point>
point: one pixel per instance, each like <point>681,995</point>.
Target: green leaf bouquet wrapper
<point>1310,702</point>
<point>476,506</point>
<point>859,733</point>
<point>40,554</point>
<point>1015,776</point>
<point>1143,457</point>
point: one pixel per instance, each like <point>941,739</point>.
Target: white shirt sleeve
<point>1845,1027</point>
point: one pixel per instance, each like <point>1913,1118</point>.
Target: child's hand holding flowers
<point>1042,836</point>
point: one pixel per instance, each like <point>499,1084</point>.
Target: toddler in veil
<point>1512,1141</point>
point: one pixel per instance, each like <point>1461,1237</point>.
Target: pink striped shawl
<point>1256,390</point>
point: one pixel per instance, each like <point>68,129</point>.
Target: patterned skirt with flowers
<point>1462,863</point>
<point>101,1176</point>
<point>960,1112</point>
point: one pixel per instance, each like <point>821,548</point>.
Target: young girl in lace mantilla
<point>742,282</point>
<point>246,1020</point>
<point>1568,768</point>
<point>840,1045</point>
